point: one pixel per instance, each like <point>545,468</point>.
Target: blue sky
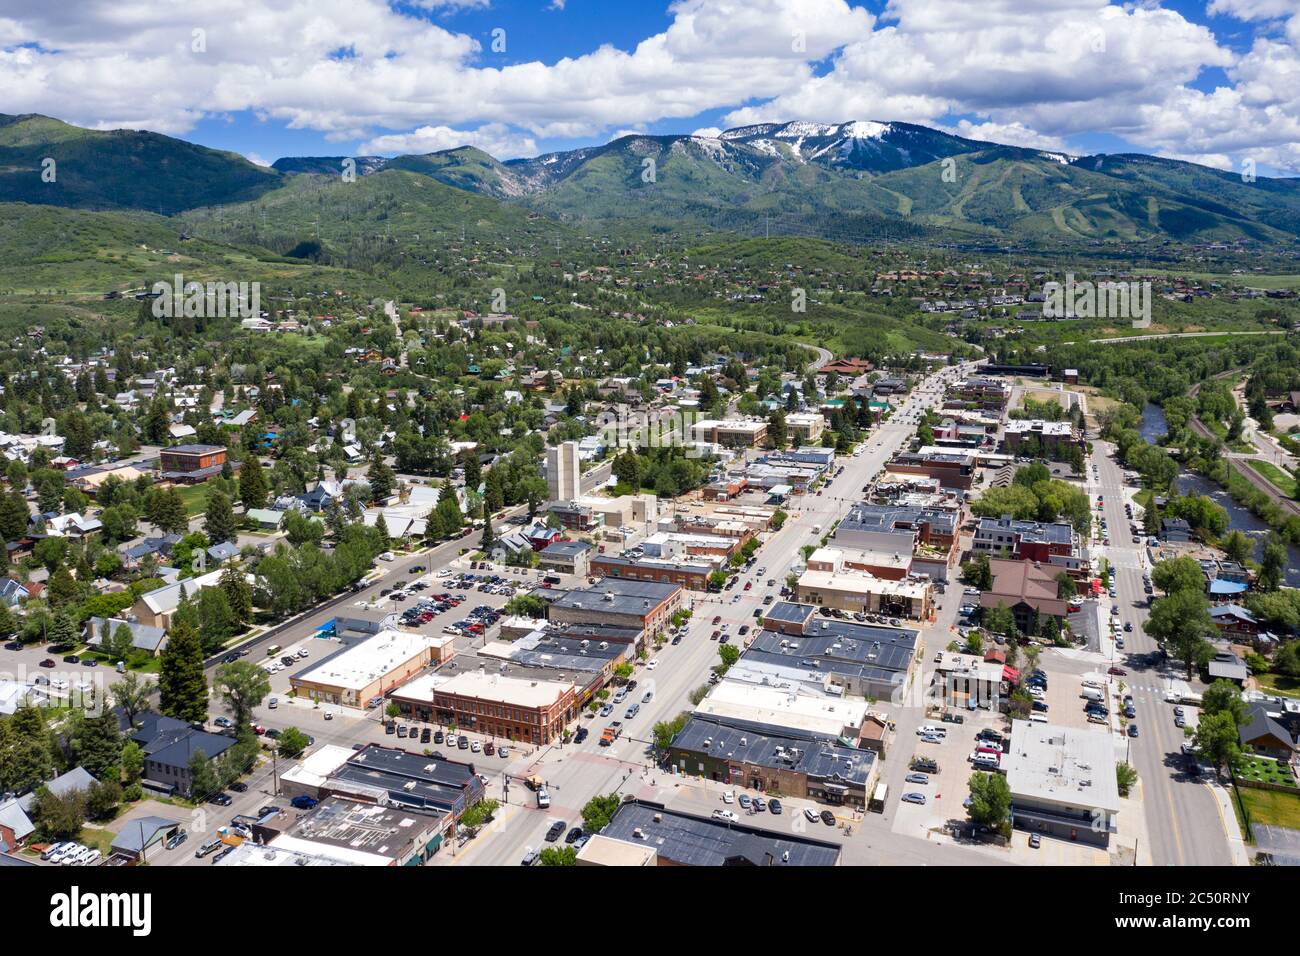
<point>1207,80</point>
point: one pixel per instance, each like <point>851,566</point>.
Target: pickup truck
<point>611,733</point>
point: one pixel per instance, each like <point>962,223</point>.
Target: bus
<point>877,804</point>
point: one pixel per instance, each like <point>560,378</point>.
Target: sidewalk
<point>1236,843</point>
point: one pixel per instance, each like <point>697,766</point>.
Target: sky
<point>1210,81</point>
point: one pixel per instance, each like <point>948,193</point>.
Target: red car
<point>1118,672</point>
<point>748,585</point>
<point>717,619</point>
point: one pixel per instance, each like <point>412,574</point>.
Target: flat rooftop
<point>362,664</point>
<point>1064,765</point>
<point>480,685</point>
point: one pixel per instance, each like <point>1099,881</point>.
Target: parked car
<point>828,818</point>
<point>220,799</point>
<point>914,797</point>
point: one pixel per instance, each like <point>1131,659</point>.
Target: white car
<point>728,815</point>
<point>728,796</point>
<point>653,664</point>
<point>59,683</point>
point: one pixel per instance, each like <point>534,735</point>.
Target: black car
<point>239,786</point>
<point>390,728</point>
<point>828,818</point>
<point>221,799</point>
<point>425,735</point>
<point>230,658</point>
<point>581,735</point>
<point>72,659</point>
<point>573,835</point>
<point>554,832</point>
<point>437,736</point>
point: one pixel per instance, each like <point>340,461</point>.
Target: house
<point>159,546</point>
<point>567,557</point>
<point>1265,732</point>
<point>1228,666</point>
<point>13,593</point>
<point>1175,531</point>
<point>137,836</point>
<point>1234,622</point>
<point>169,745</point>
<point>15,825</point>
<point>223,552</point>
<point>266,519</point>
<point>144,637</point>
<point>75,525</point>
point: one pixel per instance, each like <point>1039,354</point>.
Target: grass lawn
<point>1275,476</point>
<point>1263,770</point>
<point>195,498</point>
<point>1271,807</point>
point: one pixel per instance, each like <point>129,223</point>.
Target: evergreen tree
<point>182,688</point>
<point>489,537</point>
<point>14,516</point>
<point>253,486</point>
<point>381,528</point>
<point>117,645</point>
<point>238,595</point>
<point>99,746</point>
<point>381,479</point>
<point>25,754</point>
<point>473,470</point>
<point>219,519</point>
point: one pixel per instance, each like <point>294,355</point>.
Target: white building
<point>1062,781</point>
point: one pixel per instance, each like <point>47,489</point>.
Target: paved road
<point>577,773</point>
<point>1183,820</point>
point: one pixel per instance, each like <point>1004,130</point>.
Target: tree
<point>665,731</point>
<point>1217,739</point>
<point>381,479</point>
<point>292,743</point>
<point>98,746</point>
<point>1224,697</point>
<point>219,519</point>
<point>526,605</point>
<point>489,536</point>
<point>182,688</point>
<point>1182,621</point>
<point>1065,586</point>
<point>8,625</point>
<point>1272,563</point>
<point>1000,620</point>
<point>253,486</point>
<point>59,817</point>
<point>103,798</point>
<point>242,687</point>
<point>598,811</point>
<point>132,694</point>
<point>977,572</point>
<point>119,644</point>
<point>479,814</point>
<point>729,654</point>
<point>239,596</point>
<point>558,856</point>
<point>1237,546</point>
<point>203,777</point>
<point>1178,574</point>
<point>25,755</point>
<point>1125,777</point>
<point>132,763</point>
<point>990,797</point>
<point>776,428</point>
<point>14,515</point>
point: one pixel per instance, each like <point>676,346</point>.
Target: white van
<point>543,798</point>
<point>990,761</point>
<point>932,729</point>
<point>1091,693</point>
<point>1038,718</point>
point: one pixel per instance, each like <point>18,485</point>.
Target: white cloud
<point>1010,134</point>
<point>494,138</point>
<point>1033,72</point>
<point>256,159</point>
<point>710,132</point>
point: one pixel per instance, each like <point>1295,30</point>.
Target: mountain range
<point>852,180</point>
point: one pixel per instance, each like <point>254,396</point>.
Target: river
<point>1153,429</point>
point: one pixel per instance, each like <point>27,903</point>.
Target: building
<point>1062,782</point>
<point>1272,728</point>
<point>1047,542</point>
<point>493,704</point>
<point>1028,589</point>
<point>155,608</point>
<point>369,669</point>
<point>151,640</point>
<point>1036,436</point>
<point>689,573</point>
<point>967,680</point>
<point>563,472</point>
<point>788,706</point>
<point>782,760</point>
<point>169,745</point>
<point>364,833</point>
<point>645,605</point>
<point>567,557</point>
<point>730,433</point>
<point>191,464</point>
<point>859,591</point>
<point>807,427</point>
<point>831,656</point>
<point>663,837</point>
<point>952,470</point>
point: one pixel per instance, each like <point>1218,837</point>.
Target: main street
<point>576,773</point>
<point>1183,816</point>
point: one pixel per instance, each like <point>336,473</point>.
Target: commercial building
<point>789,706</point>
<point>563,472</point>
<point>1028,589</point>
<point>1062,782</point>
<point>850,590</point>
<point>1037,436</point>
<point>190,464</point>
<point>967,680</point>
<point>1047,542</point>
<point>805,426</point>
<point>692,574</point>
<point>676,544</point>
<point>647,606</point>
<point>658,836</point>
<point>369,669</point>
<point>952,470</point>
<point>566,557</point>
<point>782,760</point>
<point>731,433</point>
<point>364,833</point>
<point>496,705</point>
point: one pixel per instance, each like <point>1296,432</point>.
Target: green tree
<point>1217,739</point>
<point>558,856</point>
<point>132,694</point>
<point>26,757</point>
<point>1125,778</point>
<point>253,486</point>
<point>292,743</point>
<point>1272,563</point>
<point>182,688</point>
<point>1224,697</point>
<point>665,731</point>
<point>219,519</point>
<point>1000,620</point>
<point>1178,574</point>
<point>1182,621</point>
<point>1237,546</point>
<point>98,746</point>
<point>242,687</point>
<point>729,654</point>
<point>103,799</point>
<point>119,644</point>
<point>381,479</point>
<point>203,777</point>
<point>990,796</point>
<point>58,816</point>
<point>598,811</point>
<point>239,596</point>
